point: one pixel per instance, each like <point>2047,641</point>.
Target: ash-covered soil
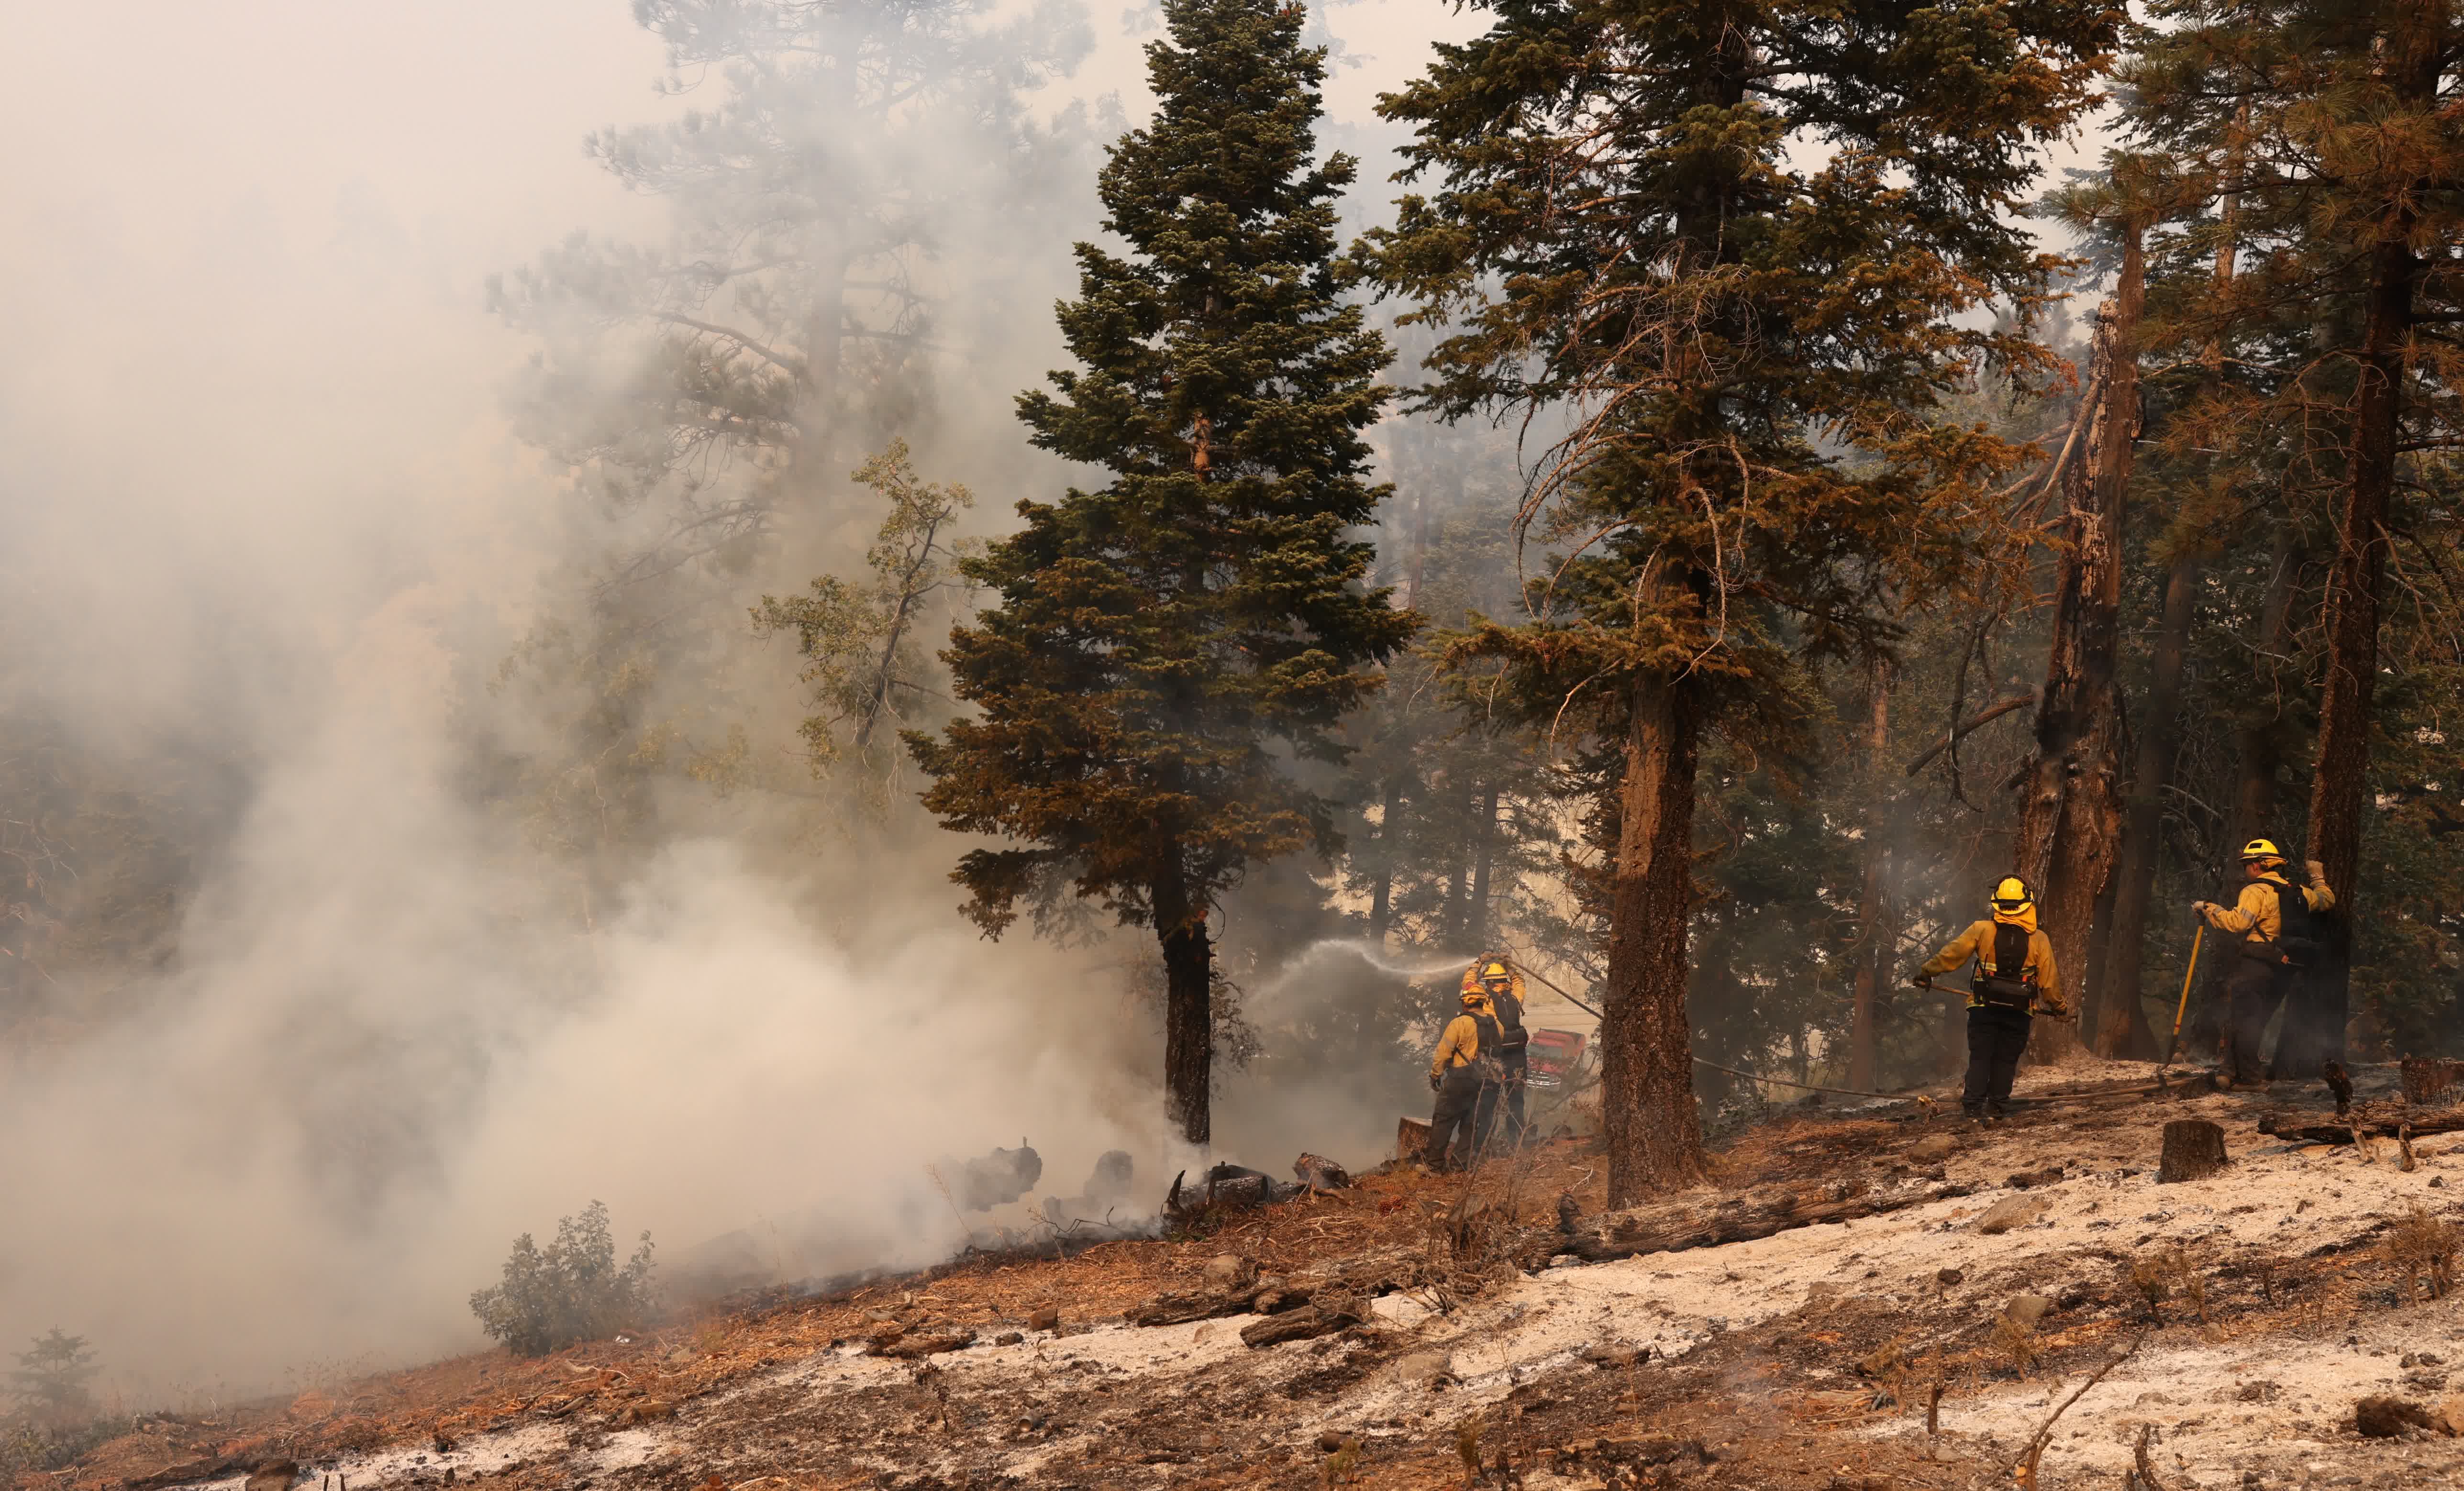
<point>2257,1308</point>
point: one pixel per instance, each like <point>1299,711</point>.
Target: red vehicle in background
<point>1555,1057</point>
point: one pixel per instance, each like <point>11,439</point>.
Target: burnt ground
<point>2257,1306</point>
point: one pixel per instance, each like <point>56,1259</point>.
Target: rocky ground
<point>2237,1320</point>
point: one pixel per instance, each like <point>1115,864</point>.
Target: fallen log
<point>1179,1309</point>
<point>1323,1318</point>
<point>909,1349</point>
<point>2380,1119</point>
<point>215,1468</point>
<point>1675,1226</point>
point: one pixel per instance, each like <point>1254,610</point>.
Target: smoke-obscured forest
<point>481,722</point>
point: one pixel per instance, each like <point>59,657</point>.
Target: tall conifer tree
<point>2322,372</point>
<point>1739,240</point>
<point>1164,647</point>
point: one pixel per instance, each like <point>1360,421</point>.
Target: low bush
<point>569,1291</point>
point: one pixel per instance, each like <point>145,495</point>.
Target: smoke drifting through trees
<point>405,834</point>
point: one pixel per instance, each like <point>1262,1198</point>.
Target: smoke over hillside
<point>309,1004</point>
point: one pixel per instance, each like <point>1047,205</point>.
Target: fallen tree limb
<point>215,1468</point>
<point>2382,1120</point>
<point>1675,1226</point>
<point>911,1349</point>
<point>2024,1472</point>
<point>1266,1298</point>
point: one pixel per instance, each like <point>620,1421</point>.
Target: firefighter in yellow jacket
<point>1494,975</point>
<point>2014,975</point>
<point>1465,1063</point>
<point>2272,918</point>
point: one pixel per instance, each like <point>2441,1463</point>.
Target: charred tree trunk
<point>1873,956</point>
<point>1654,1135</point>
<point>1188,1012</point>
<point>2340,796</point>
<point>2070,825</point>
<point>2099,958</point>
<point>1484,852</point>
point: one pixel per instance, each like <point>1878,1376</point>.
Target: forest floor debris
<point>2265,1304</point>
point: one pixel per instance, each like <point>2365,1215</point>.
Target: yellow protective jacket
<point>1459,1046</point>
<point>1977,944</point>
<point>2255,911</point>
<point>1471,983</point>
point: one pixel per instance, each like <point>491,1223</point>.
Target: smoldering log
<point>2380,1120</point>
<point>1320,1174</point>
<point>994,1179</point>
<point>1675,1226</point>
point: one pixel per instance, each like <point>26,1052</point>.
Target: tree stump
<point>2431,1079</point>
<point>1411,1139</point>
<point>2193,1148</point>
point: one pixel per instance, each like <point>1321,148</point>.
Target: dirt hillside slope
<point>2259,1305</point>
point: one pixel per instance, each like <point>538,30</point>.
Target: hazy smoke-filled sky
<point>258,495</point>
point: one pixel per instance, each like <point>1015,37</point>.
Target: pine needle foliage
<point>861,639</point>
<point>1167,649</point>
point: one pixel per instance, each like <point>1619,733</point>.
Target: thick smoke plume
<point>266,537</point>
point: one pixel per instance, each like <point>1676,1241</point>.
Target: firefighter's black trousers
<point>1996,1037</point>
<point>1452,1124</point>
<point>2253,991</point>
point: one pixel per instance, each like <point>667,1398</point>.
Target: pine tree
<point>1623,225</point>
<point>1166,649</point>
<point>861,639</point>
<point>2325,367</point>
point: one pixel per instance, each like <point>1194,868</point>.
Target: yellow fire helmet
<point>1475,994</point>
<point>1495,972</point>
<point>2010,894</point>
<point>2261,850</point>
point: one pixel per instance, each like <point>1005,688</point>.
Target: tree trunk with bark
<point>1188,1015</point>
<point>1655,1134</point>
<point>2069,822</point>
<point>1873,954</point>
<point>2340,794</point>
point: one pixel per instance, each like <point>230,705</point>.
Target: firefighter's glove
<point>2318,871</point>
<point>2204,911</point>
<point>1921,980</point>
<point>1436,1082</point>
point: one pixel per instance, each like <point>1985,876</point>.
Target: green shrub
<point>569,1291</point>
